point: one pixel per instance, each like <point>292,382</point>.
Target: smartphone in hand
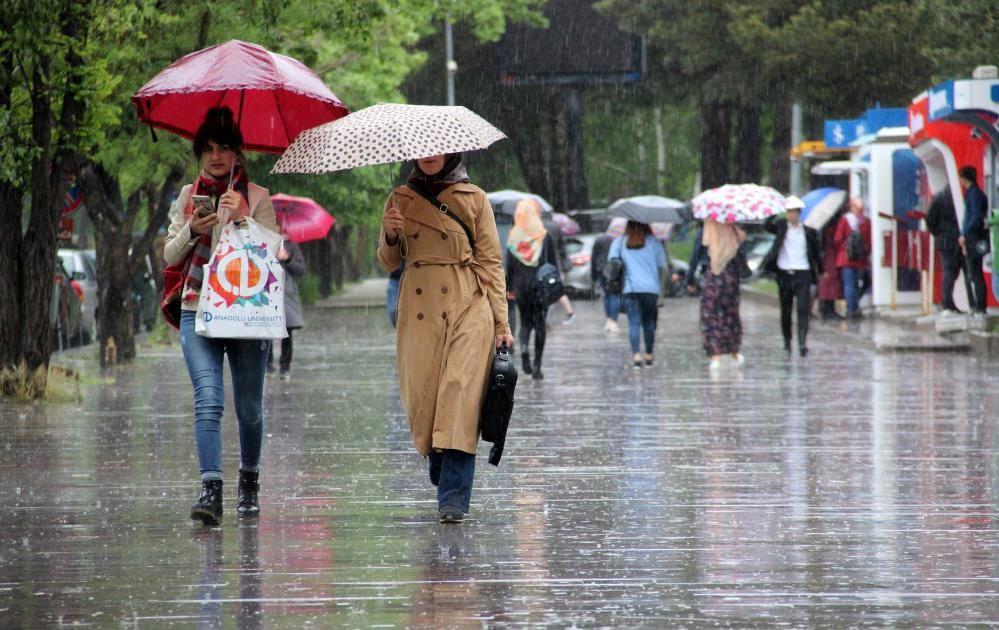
<point>203,205</point>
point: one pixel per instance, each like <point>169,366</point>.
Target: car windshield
<point>572,246</point>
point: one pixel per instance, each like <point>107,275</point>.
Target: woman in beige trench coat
<point>452,313</point>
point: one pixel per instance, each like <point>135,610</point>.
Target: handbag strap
<point>444,209</point>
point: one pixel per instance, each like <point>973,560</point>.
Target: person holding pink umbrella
<point>721,326</point>
<point>192,237</point>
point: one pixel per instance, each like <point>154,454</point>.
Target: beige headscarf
<point>722,241</point>
<point>527,236</point>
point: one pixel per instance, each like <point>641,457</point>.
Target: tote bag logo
<point>242,275</point>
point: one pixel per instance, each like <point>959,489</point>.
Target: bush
<point>308,289</point>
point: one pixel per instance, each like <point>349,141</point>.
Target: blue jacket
<point>975,213</point>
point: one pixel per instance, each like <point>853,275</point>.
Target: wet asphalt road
<point>845,489</point>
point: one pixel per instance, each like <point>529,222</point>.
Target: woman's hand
<point>201,225</point>
<point>233,202</point>
<point>392,223</point>
<point>505,338</point>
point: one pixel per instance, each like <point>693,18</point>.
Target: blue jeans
<point>612,305</point>
<point>643,315</point>
<point>851,287</point>
<point>247,359</point>
<point>392,299</point>
<point>452,472</point>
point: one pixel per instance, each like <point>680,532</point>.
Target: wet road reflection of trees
<point>849,488</point>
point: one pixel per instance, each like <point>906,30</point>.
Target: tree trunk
<point>558,155</point>
<point>715,134</point>
<point>579,194</point>
<point>748,144</point>
<point>519,118</point>
<point>660,152</point>
<point>780,162</point>
<point>10,252</point>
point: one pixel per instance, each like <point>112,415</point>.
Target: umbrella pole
<point>239,121</point>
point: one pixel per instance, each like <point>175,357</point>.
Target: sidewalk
<point>368,293</point>
<point>904,330</point>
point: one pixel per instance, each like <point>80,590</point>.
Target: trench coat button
<point>419,316</point>
<point>416,236</point>
<point>443,315</point>
<point>419,291</point>
<point>444,290</point>
<point>417,265</point>
<point>443,237</point>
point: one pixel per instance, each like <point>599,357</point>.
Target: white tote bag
<point>242,293</point>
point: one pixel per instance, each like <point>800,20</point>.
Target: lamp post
<point>451,65</point>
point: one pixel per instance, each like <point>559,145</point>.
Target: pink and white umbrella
<point>301,218</point>
<point>735,203</point>
<point>566,224</point>
<point>660,230</point>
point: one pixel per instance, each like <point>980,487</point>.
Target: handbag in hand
<point>497,407</point>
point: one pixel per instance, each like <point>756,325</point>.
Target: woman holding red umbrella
<point>191,239</point>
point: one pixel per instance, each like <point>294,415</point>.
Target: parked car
<point>758,244</point>
<point>145,299</point>
<point>65,310</point>
<point>81,266</point>
<point>579,251</point>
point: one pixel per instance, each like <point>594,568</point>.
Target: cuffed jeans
<point>643,316</point>
<point>247,359</point>
<point>612,305</point>
<point>851,288</point>
<point>452,472</point>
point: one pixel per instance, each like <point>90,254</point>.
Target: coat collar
<point>421,210</point>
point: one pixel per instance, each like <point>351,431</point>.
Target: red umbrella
<point>274,97</point>
<point>301,218</point>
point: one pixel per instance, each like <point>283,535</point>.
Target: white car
<point>81,267</point>
<point>579,251</point>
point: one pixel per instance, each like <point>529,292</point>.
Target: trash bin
<point>993,223</point>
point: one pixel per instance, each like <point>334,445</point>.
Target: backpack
<point>614,276</point>
<point>548,285</point>
<point>856,248</point>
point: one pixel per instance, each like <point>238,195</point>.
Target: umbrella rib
<point>284,125</point>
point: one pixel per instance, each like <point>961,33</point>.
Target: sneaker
<point>650,359</point>
<point>715,364</point>
<point>739,359</point>
<point>451,514</point>
<point>614,328</point>
<point>803,351</point>
<point>285,375</point>
<point>571,317</point>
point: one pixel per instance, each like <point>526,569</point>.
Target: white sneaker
<point>739,359</point>
<point>715,365</point>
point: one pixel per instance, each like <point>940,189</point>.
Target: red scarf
<point>207,184</point>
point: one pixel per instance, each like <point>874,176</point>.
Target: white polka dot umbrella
<point>735,203</point>
<point>384,133</point>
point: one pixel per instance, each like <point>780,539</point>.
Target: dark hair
<point>969,173</point>
<point>220,128</point>
<point>636,233</point>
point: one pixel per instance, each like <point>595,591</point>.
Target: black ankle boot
<point>537,369</point>
<point>209,506</point>
<point>525,360</point>
<point>248,504</point>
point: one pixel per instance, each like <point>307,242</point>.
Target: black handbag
<point>548,287</point>
<point>614,275</point>
<point>497,407</point>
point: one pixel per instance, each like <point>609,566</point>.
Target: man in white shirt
<point>795,259</point>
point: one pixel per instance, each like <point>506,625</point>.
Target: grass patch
<point>57,385</point>
<point>765,285</point>
<point>161,334</point>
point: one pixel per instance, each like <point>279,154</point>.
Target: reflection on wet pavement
<point>847,488</point>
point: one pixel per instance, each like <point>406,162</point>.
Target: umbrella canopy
<point>733,203</point>
<point>820,206</point>
<point>566,224</point>
<point>505,201</point>
<point>301,218</point>
<point>273,97</point>
<point>385,133</point>
<point>618,224</point>
<point>651,209</point>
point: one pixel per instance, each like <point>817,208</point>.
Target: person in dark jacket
<point>612,301</point>
<point>698,258</point>
<point>974,239</point>
<point>941,221</point>
<point>529,246</point>
<point>293,262</point>
<point>796,259</point>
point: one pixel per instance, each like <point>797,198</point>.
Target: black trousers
<point>795,286</point>
<point>532,318</point>
<point>953,264</point>
<point>285,352</point>
<point>979,299</point>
